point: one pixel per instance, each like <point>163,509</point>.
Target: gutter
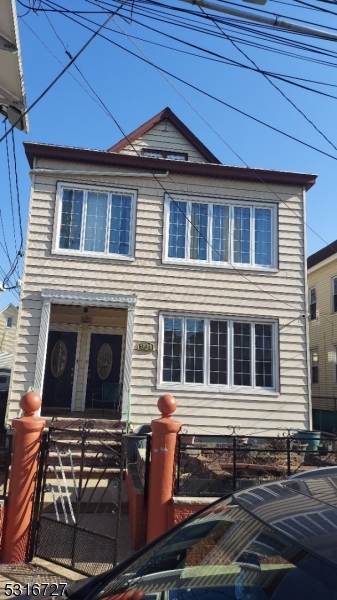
<point>97,173</point>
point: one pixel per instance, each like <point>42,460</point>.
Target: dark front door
<point>60,365</point>
<point>104,362</point>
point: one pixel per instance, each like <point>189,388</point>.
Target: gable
<point>164,136</point>
<point>9,311</point>
<point>166,133</point>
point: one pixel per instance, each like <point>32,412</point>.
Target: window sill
<point>218,265</point>
<point>95,255</point>
<point>216,389</point>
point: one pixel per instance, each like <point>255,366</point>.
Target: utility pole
<point>273,21</point>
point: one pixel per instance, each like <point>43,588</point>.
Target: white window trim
<point>12,323</point>
<point>81,253</point>
<point>220,264</point>
<point>219,388</point>
<point>332,294</point>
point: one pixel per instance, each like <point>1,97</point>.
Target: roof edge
<point>153,165</point>
<point>322,254</point>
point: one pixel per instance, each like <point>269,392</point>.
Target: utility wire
<point>10,188</point>
<point>274,85</point>
<point>209,95</point>
<point>224,141</point>
<point>238,156</point>
<point>63,71</point>
<point>17,191</point>
<point>170,196</point>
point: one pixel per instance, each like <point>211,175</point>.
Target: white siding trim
<point>306,300</point>
<point>128,364</point>
<point>89,298</point>
<point>42,346</point>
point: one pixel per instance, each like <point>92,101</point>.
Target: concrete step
<point>95,495</point>
<point>87,423</point>
<point>99,462</point>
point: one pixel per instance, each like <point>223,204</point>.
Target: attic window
<point>150,153</point>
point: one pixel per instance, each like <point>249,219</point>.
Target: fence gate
<point>78,499</point>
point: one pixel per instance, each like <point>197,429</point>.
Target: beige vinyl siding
<point>7,334</point>
<point>323,335</point>
<point>164,136</point>
<point>209,291</point>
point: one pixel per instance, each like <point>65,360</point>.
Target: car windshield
<point>224,553</point>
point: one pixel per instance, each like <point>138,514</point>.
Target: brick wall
<point>183,507</point>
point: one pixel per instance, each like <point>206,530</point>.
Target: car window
<point>223,553</point>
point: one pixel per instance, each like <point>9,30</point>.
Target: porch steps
<point>99,468</point>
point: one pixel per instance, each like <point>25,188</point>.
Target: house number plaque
<point>145,346</point>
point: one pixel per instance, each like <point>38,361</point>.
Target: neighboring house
<point>322,307</point>
<point>153,266</point>
<point>8,323</point>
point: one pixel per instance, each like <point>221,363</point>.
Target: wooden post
<point>19,507</point>
<point>164,439</point>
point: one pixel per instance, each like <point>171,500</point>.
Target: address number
<point>147,346</point>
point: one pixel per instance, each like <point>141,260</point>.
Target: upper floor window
<point>95,222</point>
<point>216,352</point>
<point>314,366</point>
<point>334,295</point>
<point>313,304</point>
<point>220,234</point>
<point>168,154</point>
<point>9,322</point>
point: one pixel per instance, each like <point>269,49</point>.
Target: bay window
<point>91,221</point>
<point>218,352</point>
<point>220,233</point>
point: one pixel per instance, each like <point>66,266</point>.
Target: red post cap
<point>30,403</point>
<point>167,404</point>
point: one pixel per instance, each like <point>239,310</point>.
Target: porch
<point>84,375</point>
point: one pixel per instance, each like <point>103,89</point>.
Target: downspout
<point>306,311</point>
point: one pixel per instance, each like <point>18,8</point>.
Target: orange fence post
<point>161,479</point>
<point>19,507</point>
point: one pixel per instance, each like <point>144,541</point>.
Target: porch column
<point>20,502</point>
<point>161,480</point>
<point>128,363</point>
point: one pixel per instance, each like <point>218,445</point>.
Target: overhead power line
<point>209,95</point>
<point>48,88</point>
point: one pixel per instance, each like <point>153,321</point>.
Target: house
<point>322,305</point>
<point>154,268</point>
<point>8,323</point>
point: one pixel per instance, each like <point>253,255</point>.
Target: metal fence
<point>220,465</point>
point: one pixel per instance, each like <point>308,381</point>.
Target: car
<point>276,541</point>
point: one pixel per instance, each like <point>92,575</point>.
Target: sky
<point>195,61</point>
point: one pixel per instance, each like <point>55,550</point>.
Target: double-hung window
<point>223,353</point>
<point>313,304</point>
<point>95,222</point>
<point>220,233</point>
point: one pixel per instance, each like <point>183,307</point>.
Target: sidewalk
<point>42,571</point>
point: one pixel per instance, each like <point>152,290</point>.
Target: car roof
<point>304,510</point>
